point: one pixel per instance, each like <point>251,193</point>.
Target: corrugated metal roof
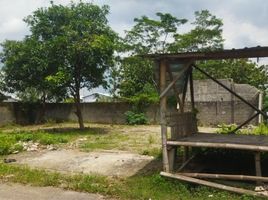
<point>252,52</point>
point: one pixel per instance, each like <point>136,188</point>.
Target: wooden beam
<point>231,91</point>
<point>219,145</point>
<point>184,164</point>
<point>165,91</point>
<point>226,177</point>
<point>192,89</point>
<point>163,121</point>
<point>211,184</point>
<point>185,87</point>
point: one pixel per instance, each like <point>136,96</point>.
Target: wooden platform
<point>212,140</point>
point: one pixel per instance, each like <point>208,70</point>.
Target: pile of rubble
<point>35,146</point>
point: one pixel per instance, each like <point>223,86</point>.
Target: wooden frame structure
<point>183,124</point>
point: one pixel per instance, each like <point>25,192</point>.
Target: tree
<point>205,36</point>
<point>146,36</point>
<point>152,36</point>
<point>81,42</point>
<point>239,70</point>
<point>25,71</point>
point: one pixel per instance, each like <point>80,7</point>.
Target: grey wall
<point>209,113</point>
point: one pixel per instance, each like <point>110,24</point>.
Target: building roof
<point>96,94</point>
<point>252,52</point>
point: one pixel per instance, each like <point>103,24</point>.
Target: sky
<point>245,21</point>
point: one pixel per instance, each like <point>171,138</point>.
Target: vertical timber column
<point>163,109</point>
<point>258,166</point>
<point>192,89</point>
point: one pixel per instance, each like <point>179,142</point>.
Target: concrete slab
<point>20,192</point>
<point>108,163</point>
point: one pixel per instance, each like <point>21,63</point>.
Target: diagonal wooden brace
<point>174,81</point>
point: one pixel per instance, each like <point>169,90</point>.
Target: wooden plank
<point>219,145</point>
<point>226,176</point>
<point>163,121</point>
<point>211,184</point>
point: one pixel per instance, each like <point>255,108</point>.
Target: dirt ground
<point>113,162</point>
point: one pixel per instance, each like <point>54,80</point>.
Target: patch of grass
<point>9,141</point>
<point>137,187</point>
<point>261,129</point>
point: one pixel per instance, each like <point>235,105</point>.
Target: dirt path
<point>20,192</point>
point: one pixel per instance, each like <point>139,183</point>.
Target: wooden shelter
<point>175,73</point>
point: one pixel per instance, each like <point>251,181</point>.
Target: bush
<point>136,118</point>
<point>227,128</point>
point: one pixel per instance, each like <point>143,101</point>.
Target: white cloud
<point>244,20</point>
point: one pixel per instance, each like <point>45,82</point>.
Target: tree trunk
<point>78,110</point>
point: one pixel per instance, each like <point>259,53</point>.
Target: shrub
<point>227,128</point>
<point>135,118</point>
<point>261,129</point>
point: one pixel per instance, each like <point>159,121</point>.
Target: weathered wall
<point>209,113</point>
<point>7,113</point>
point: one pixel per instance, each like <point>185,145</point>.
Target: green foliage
<point>261,129</point>
<point>26,67</point>
<point>136,76</point>
<point>227,128</point>
<point>135,118</point>
<point>147,36</point>
<point>9,142</point>
<point>205,36</point>
<point>241,71</point>
<point>146,186</point>
<point>152,36</point>
<point>141,100</point>
<point>70,48</point>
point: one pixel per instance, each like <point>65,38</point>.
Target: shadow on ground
<point>59,130</point>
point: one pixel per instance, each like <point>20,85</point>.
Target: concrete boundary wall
<point>209,113</point>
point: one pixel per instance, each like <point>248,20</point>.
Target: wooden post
<point>192,89</point>
<point>163,108</point>
<point>185,87</point>
<point>258,166</point>
<point>232,103</point>
<point>225,176</point>
<point>260,118</point>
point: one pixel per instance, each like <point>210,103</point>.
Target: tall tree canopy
<point>206,34</point>
<point>75,42</point>
<point>27,66</point>
<point>163,36</point>
<point>146,36</point>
